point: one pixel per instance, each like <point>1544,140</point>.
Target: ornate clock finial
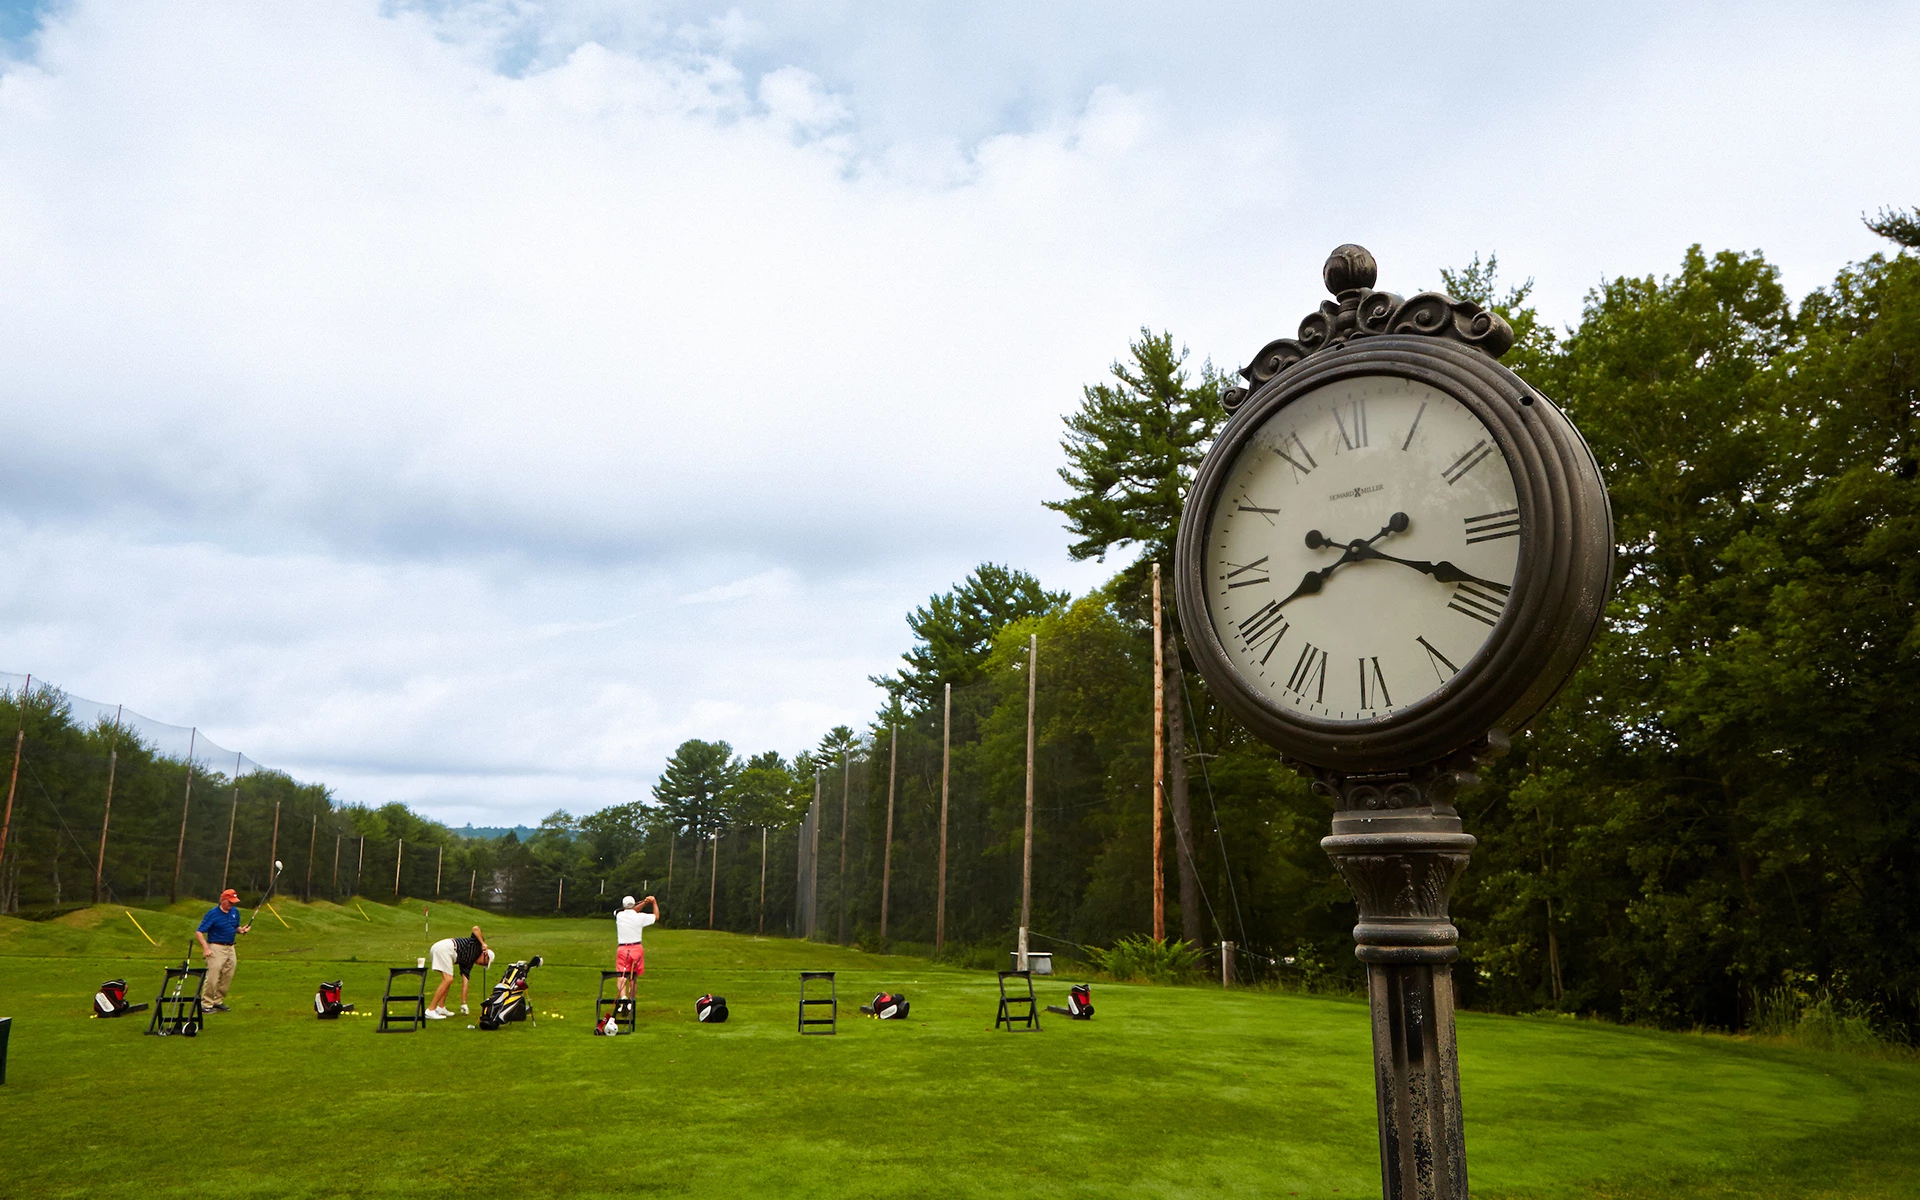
<point>1349,267</point>
<point>1358,311</point>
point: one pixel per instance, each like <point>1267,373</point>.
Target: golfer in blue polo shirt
<point>216,934</point>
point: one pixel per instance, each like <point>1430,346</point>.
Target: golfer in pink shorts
<point>630,959</point>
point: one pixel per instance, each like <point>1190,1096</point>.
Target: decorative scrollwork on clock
<point>1357,311</point>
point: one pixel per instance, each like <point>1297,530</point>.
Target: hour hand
<point>1443,571</point>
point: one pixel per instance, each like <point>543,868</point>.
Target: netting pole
<point>946,764</point>
<point>313,836</point>
<point>235,812</point>
<point>399,851</point>
<point>180,851</point>
<point>763,879</point>
<point>672,843</point>
<point>846,793</point>
<point>439,860</point>
<point>813,864</point>
<point>561,897</point>
<point>1026,852</point>
<point>113,758</point>
<point>1159,766</point>
<point>13,782</point>
<point>713,887</point>
<point>472,878</point>
<point>360,864</point>
<point>886,856</point>
<point>273,852</point>
<point>333,889</point>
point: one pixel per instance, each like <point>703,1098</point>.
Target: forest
<point>1720,811</point>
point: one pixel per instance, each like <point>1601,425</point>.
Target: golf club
<point>272,882</point>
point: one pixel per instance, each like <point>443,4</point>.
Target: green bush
<point>1142,958</point>
<point>1819,1020</point>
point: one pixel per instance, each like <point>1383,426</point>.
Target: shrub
<point>1136,958</point>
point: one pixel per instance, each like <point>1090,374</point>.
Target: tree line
<point>1720,808</point>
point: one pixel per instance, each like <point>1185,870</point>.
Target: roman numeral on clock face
<point>1467,462</point>
<point>1264,628</point>
<point>1436,660</point>
<point>1481,601</point>
<point>1352,423</point>
<point>1310,671</point>
<point>1299,449</point>
<point>1255,572</point>
<point>1373,685</point>
<point>1491,527</point>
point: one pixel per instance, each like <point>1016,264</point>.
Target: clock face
<point>1362,548</point>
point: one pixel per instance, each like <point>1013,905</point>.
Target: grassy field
<point>1167,1092</point>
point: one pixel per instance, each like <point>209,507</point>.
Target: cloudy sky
<point>465,403</point>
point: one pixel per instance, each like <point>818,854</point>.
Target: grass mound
<point>1170,1091</point>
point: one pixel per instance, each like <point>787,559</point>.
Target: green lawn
<point>1168,1092</point>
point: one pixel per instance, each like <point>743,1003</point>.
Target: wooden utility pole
<point>399,852</point>
<point>1026,851</point>
<point>313,837</point>
<point>561,898</point>
<point>179,851</point>
<point>886,855</point>
<point>1226,964</point>
<point>713,885</point>
<point>763,879</point>
<point>360,864</point>
<point>473,877</point>
<point>846,792</point>
<point>946,764</point>
<point>439,860</point>
<point>333,889</point>
<point>273,853</point>
<point>1159,767</point>
<point>113,758</point>
<point>671,842</point>
<point>13,782</point>
<point>232,813</point>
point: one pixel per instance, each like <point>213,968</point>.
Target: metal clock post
<point>1404,659</point>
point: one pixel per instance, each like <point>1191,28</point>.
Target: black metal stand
<point>605,1006</point>
<point>831,1000</point>
<point>6,1028</point>
<point>179,1013</point>
<point>412,1006</point>
<point>1017,1022</point>
<point>1400,848</point>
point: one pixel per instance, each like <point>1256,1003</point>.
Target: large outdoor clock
<point>1397,547</point>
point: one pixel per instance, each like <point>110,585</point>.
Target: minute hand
<point>1443,571</point>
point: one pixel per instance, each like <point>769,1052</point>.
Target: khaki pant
<point>219,973</point>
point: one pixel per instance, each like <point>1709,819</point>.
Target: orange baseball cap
<point>230,894</point>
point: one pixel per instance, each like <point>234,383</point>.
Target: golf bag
<point>508,1000</point>
<point>886,1007</point>
<point>326,1002</point>
<point>111,1000</point>
<point>711,1009</point>
<point>1079,1003</point>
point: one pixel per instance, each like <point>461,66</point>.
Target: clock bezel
<point>1561,582</point>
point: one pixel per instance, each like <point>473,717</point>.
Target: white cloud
<point>464,403</point>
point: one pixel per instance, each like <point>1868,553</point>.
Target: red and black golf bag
<point>711,1009</point>
<point>886,1007</point>
<point>111,1000</point>
<point>1079,1003</point>
<point>326,1002</point>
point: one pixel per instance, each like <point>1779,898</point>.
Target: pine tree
<point>1132,451</point>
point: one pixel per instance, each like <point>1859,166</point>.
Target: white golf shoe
<point>434,1014</point>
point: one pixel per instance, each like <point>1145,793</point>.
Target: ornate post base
<point>1400,848</point>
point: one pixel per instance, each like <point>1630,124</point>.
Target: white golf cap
<point>626,902</point>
